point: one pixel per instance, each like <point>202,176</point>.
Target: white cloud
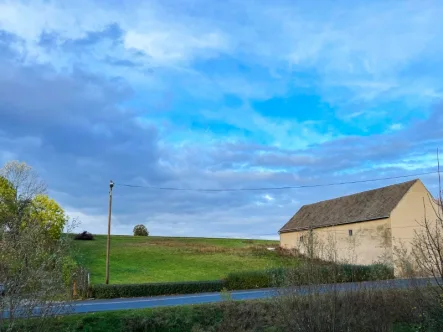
<point>361,47</point>
<point>268,197</point>
<point>396,126</point>
<point>344,54</point>
<point>70,19</point>
<point>174,46</point>
<point>281,133</point>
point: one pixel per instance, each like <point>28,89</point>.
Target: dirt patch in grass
<point>205,248</point>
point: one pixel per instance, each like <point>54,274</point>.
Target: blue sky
<point>216,94</point>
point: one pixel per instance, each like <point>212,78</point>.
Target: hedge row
<point>301,275</point>
<point>155,289</point>
<point>307,274</point>
<point>255,279</point>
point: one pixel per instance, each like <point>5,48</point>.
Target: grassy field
<point>164,259</point>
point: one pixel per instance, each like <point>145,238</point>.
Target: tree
<point>24,180</point>
<point>49,215</point>
<point>35,261</point>
<point>140,230</point>
<point>34,275</point>
<point>23,201</point>
<point>7,206</point>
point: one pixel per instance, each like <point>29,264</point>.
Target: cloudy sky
<point>218,94</point>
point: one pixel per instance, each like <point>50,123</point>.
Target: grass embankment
<point>229,316</point>
<point>168,259</point>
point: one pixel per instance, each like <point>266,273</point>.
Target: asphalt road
<point>87,306</point>
<point>161,301</point>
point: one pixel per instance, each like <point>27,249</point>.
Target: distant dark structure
<point>84,236</point>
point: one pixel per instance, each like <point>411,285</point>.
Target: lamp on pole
<point>111,185</point>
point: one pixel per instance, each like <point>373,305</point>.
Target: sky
<point>218,94</point>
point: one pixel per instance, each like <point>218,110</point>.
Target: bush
<point>307,274</point>
<point>357,273</point>
<point>377,311</point>
<point>255,279</point>
<point>69,265</point>
<point>155,289</point>
<point>300,275</point>
<point>247,280</point>
<point>140,230</point>
<point>84,236</point>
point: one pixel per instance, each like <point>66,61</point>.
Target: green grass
<point>256,315</point>
<point>164,259</point>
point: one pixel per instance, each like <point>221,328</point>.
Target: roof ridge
<point>363,192</point>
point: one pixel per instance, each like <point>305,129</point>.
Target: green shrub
<point>247,280</point>
<point>140,230</point>
<point>155,289</point>
<point>68,267</point>
<point>300,275</point>
<point>255,279</point>
<point>381,272</point>
<point>354,312</point>
<point>307,274</point>
<point>358,273</point>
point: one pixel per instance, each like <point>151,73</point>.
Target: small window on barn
<point>350,232</point>
<point>301,238</point>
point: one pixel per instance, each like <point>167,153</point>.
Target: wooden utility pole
<point>111,184</point>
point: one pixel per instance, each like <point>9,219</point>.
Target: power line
<point>274,188</point>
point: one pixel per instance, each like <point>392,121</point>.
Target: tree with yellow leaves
<point>36,265</point>
<point>49,215</point>
<point>23,201</point>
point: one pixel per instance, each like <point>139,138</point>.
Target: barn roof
<point>364,206</point>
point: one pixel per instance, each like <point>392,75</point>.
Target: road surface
<point>161,301</point>
<point>88,306</point>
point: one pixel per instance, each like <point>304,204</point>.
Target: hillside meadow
<point>167,259</point>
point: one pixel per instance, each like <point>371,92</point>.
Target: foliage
<point>240,281</point>
<point>84,236</point>
<point>300,275</point>
<point>24,180</point>
<point>140,230</point>
<point>7,191</point>
<point>23,202</point>
<point>49,215</point>
<point>10,209</point>
<point>155,289</point>
<point>252,279</point>
<point>423,257</point>
<point>34,257</point>
<point>225,294</point>
<point>7,197</point>
<point>355,273</point>
<point>35,272</point>
<point>68,266</point>
<point>380,311</point>
<point>361,309</point>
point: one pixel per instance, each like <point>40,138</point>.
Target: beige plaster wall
<point>370,242</point>
<point>407,219</point>
<point>412,210</point>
